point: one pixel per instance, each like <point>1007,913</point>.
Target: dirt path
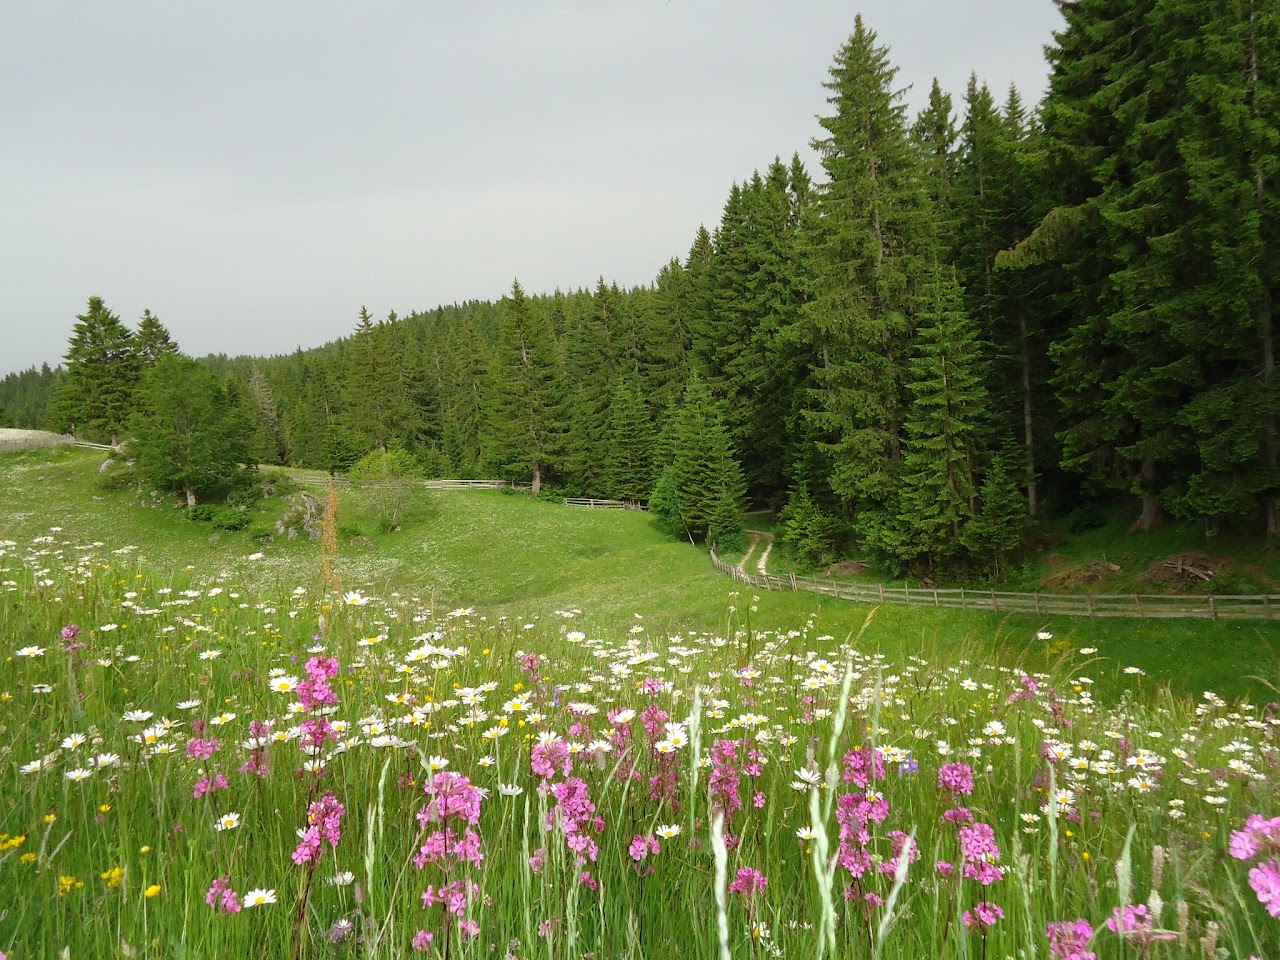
<point>761,563</point>
<point>753,538</point>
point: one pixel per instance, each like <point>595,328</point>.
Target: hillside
<point>511,556</point>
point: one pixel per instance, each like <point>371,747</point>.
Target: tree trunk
<point>191,497</point>
<point>1028,431</point>
<point>1151,516</point>
<point>537,477</point>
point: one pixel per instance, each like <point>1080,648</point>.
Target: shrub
<point>116,477</point>
<point>203,513</point>
<point>1086,517</point>
<point>231,520</point>
<point>389,481</point>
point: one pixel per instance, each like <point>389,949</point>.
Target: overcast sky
<point>253,172</point>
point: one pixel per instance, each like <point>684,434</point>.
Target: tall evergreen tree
<point>153,340</point>
<point>526,405</point>
<point>97,397</point>
<point>944,433</point>
<point>630,473</point>
<point>871,242</point>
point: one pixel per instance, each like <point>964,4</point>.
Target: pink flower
<point>549,757</point>
<point>1069,939</point>
<point>1265,880</point>
<point>422,941</point>
<point>956,777</point>
<point>324,819</point>
<point>748,882</point>
<point>983,915</point>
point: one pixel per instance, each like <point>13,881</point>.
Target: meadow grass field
<point>520,730</point>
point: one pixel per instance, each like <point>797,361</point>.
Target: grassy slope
<point>512,556</point>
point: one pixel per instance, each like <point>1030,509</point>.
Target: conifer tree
<point>97,397</point>
<point>704,478</point>
<point>152,340</point>
<point>187,436</point>
<point>938,494</point>
<point>871,242</point>
<point>377,397</point>
<point>630,474</point>
<point>526,406</point>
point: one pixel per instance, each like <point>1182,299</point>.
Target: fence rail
<point>606,504</point>
<point>1213,607</point>
<point>343,482</point>
<point>13,441</point>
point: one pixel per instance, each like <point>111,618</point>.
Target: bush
<point>389,482</point>
<point>262,533</point>
<point>203,513</point>
<point>276,483</point>
<point>808,534</point>
<point>245,488</point>
<point>231,520</point>
<point>116,477</point>
<point>1086,517</point>
<point>664,506</point>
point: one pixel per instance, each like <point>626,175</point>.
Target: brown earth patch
<point>1079,575</point>
<point>1187,569</point>
<point>849,568</point>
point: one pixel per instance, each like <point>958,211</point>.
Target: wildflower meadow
<point>205,764</point>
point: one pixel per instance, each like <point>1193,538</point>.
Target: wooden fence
<point>606,504</point>
<point>1217,607</point>
<point>12,441</point>
<point>343,482</point>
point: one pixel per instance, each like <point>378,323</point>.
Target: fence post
<point>1266,605</point>
<point>935,598</point>
<point>1213,607</point>
<point>994,603</point>
<point>1137,604</point>
<point>1088,597</point>
<point>881,586</point>
<point>963,604</point>
<point>1037,596</point>
<point>906,591</point>
<point>794,586</point>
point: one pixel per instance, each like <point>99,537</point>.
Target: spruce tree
<point>704,477</point>
<point>938,494</point>
<point>187,437</point>
<point>527,405</point>
<point>153,340</point>
<point>871,241</point>
<point>630,445</point>
<point>97,397</point>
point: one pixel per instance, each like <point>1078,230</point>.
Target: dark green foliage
<point>870,244</point>
<point>187,438</point>
<point>809,535</point>
<point>526,404</point>
<point>1000,526</point>
<point>97,397</point>
<point>702,477</point>
<point>938,494</point>
<point>630,445</point>
<point>152,341</point>
<point>390,481</point>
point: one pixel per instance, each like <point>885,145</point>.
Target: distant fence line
<point>429,484</point>
<point>1213,607</point>
<point>35,440</point>
<point>606,504</point>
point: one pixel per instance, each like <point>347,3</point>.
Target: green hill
<point>508,555</point>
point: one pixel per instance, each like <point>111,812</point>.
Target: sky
<point>253,173</point>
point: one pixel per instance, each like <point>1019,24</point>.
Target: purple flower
<point>956,777</point>
<point>1069,939</point>
<point>748,882</point>
<point>983,915</point>
<point>1265,880</point>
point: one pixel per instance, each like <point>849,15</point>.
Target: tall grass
<point>642,719</point>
